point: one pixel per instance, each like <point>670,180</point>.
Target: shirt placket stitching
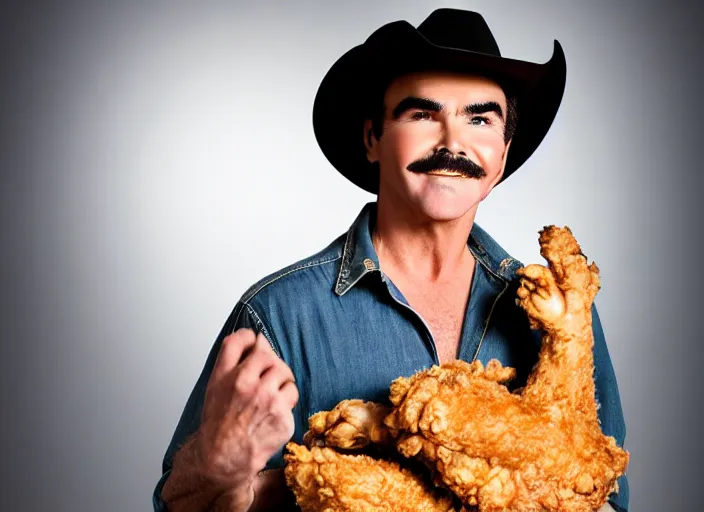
<point>488,319</point>
<point>429,333</point>
<point>496,300</point>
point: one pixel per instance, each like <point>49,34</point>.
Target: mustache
<point>447,161</point>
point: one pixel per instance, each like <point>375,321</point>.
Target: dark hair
<point>511,116</point>
<point>377,111</point>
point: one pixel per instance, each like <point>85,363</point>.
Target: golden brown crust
<point>352,424</point>
<point>323,479</point>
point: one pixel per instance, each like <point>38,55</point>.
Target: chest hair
<point>443,309</point>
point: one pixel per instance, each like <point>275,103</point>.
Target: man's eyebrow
<point>483,108</point>
<point>414,102</point>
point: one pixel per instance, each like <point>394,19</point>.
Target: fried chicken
<point>325,480</point>
<point>538,449</point>
<point>353,424</point>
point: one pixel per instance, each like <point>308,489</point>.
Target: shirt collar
<point>359,257</point>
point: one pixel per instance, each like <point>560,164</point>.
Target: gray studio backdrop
<point>158,158</point>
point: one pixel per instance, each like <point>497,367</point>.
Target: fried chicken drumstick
<point>540,449</point>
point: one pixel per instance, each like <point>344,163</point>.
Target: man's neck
<point>419,247</point>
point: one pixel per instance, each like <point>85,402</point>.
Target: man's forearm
<point>188,490</point>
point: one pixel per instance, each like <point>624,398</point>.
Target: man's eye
<point>420,116</point>
<point>479,121</point>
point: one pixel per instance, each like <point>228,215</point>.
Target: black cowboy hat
<point>451,40</point>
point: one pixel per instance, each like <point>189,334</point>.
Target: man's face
<point>435,121</point>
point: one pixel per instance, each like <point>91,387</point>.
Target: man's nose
<point>450,140</point>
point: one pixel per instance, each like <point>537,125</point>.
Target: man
<point>431,119</point>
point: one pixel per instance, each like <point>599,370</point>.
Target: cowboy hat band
<point>448,40</point>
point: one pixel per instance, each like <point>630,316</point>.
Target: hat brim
<point>351,84</point>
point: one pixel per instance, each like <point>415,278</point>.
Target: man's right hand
<point>247,410</point>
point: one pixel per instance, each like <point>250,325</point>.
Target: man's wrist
<point>236,499</point>
<point>213,477</point>
<point>196,484</point>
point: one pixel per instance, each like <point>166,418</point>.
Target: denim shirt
<point>346,332</point>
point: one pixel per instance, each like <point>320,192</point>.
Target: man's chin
<point>436,198</point>
<point>444,210</point>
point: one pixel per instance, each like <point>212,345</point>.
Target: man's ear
<point>370,141</point>
<point>504,159</point>
<point>498,177</point>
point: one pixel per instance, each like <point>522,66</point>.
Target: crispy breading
<point>323,479</point>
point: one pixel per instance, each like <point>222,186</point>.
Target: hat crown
<point>465,30</point>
